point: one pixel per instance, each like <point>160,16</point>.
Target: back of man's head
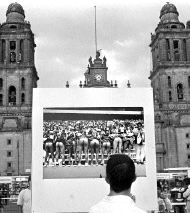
<point>120,172</point>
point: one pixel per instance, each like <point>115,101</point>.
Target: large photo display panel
<point>71,179</point>
<point>77,142</point>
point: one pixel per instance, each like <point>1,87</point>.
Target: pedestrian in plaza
<point>120,174</point>
<point>24,199</point>
<point>186,195</point>
<point>177,197</point>
<point>164,204</point>
<point>1,204</point>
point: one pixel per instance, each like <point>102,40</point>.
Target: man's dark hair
<point>120,172</point>
<point>186,181</point>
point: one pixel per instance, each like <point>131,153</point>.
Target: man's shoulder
<point>107,206</point>
<point>23,191</point>
<point>138,210</point>
<point>97,209</point>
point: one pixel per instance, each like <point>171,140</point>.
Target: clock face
<point>98,77</point>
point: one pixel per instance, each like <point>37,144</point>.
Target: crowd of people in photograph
<point>88,142</point>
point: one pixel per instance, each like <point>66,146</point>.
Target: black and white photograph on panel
<point>77,142</point>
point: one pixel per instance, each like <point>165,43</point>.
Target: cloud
<point>125,43</point>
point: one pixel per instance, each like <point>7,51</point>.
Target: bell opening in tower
<point>12,96</point>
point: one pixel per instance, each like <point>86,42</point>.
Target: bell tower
<point>170,80</point>
<point>96,74</point>
<point>18,77</point>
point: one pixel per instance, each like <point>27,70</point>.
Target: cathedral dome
<point>168,8</point>
<point>15,7</point>
<point>15,13</point>
<point>169,13</point>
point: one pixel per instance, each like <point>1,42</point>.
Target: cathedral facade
<point>18,77</point>
<point>170,80</point>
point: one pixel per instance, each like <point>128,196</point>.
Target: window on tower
<point>176,50</point>
<point>12,96</point>
<point>1,83</point>
<point>189,81</point>
<point>9,142</point>
<point>12,45</point>
<point>173,27</point>
<point>1,99</point>
<point>13,27</point>
<point>23,98</point>
<point>176,44</point>
<point>12,53</point>
<point>9,164</point>
<point>170,96</point>
<point>23,83</point>
<point>180,91</point>
<point>169,82</point>
<point>9,153</point>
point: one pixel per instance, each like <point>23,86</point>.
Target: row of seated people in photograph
<point>92,138</point>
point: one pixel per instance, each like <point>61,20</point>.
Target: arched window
<point>12,96</point>
<point>1,83</point>
<point>174,27</point>
<point>180,91</point>
<point>13,27</point>
<point>23,98</point>
<point>169,82</point>
<point>170,96</point>
<point>176,50</point>
<point>23,83</point>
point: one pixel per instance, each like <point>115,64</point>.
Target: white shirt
<point>115,204</point>
<point>24,200</point>
<point>186,194</point>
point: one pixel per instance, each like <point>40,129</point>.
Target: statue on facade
<point>97,54</point>
<point>104,61</point>
<point>90,61</point>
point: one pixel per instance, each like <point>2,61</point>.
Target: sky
<point>65,38</point>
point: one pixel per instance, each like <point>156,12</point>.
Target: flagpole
<point>95,30</point>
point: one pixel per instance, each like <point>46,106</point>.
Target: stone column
<point>7,52</point>
<point>26,47</point>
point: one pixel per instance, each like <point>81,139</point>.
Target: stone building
<point>18,76</point>
<point>170,79</point>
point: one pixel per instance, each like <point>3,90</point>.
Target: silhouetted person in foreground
<point>120,174</point>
